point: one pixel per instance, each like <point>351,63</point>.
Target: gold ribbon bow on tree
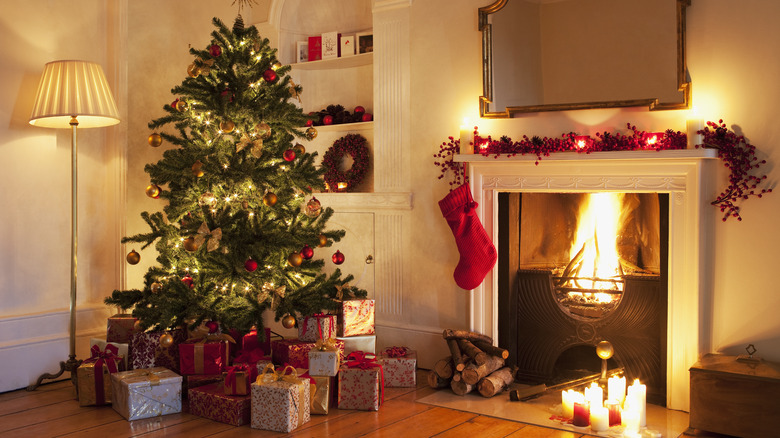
<point>272,293</point>
<point>343,291</point>
<point>257,145</point>
<point>214,236</point>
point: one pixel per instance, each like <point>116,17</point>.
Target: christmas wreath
<point>353,145</point>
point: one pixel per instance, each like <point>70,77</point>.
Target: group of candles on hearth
<point>628,408</point>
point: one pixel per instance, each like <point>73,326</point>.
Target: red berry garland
<point>353,145</point>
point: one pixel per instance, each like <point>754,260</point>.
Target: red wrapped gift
<point>146,351</point>
<point>211,402</point>
<point>251,357</point>
<point>356,318</point>
<point>120,328</point>
<point>196,380</point>
<point>361,382</point>
<point>253,340</point>
<point>203,356</point>
<point>296,352</point>
<point>94,375</point>
<point>400,367</point>
<point>238,379</point>
<point>317,326</point>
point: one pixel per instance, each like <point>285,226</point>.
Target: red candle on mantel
<point>581,414</point>
<point>613,406</point>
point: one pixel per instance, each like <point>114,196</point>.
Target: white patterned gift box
<point>317,326</point>
<point>280,403</point>
<point>124,349</point>
<point>400,367</point>
<point>146,393</point>
<point>323,363</point>
<point>361,382</point>
<point>365,343</point>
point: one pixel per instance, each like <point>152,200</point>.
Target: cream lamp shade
<point>73,89</point>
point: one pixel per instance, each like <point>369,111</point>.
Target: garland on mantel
<point>738,155</point>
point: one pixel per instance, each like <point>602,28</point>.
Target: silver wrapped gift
<point>146,393</point>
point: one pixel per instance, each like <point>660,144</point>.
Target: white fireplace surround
<point>686,175</point>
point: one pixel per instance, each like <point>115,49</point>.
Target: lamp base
<point>70,365</point>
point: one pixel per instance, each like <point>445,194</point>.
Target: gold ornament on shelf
<point>288,322</point>
<point>197,169</point>
<point>155,140</point>
<point>227,126</point>
<point>153,191</point>
<point>133,257</point>
<point>166,340</point>
<point>295,259</point>
<point>213,236</point>
<point>156,286</point>
<point>311,133</point>
<point>270,199</point>
<point>190,244</point>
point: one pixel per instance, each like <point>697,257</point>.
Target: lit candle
<point>693,126</point>
<point>341,186</point>
<point>594,395</point>
<point>613,406</point>
<point>637,393</point>
<point>616,389</point>
<point>581,416</point>
<point>630,420</point>
<point>654,139</point>
<point>599,418</point>
<point>569,397</point>
<point>582,141</point>
<point>466,138</point>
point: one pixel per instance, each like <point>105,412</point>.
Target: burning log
<point>496,382</point>
<point>474,373</point>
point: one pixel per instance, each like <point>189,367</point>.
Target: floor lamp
<point>72,94</point>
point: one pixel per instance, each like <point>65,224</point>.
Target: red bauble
<point>367,117</point>
<point>191,283</point>
<point>359,110</point>
<point>289,155</point>
<point>327,120</point>
<point>213,326</point>
<point>338,257</point>
<point>269,75</point>
<point>309,122</point>
<point>250,265</point>
<point>215,50</point>
<point>307,253</point>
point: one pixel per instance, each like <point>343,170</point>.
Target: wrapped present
<point>323,390</point>
<point>123,350</point>
<point>238,378</point>
<point>317,326</point>
<point>196,380</point>
<point>211,402</point>
<point>280,400</point>
<point>400,367</point>
<point>203,356</point>
<point>254,340</point>
<point>94,375</point>
<point>366,344</point>
<point>146,393</point>
<point>361,382</point>
<point>356,318</point>
<point>121,328</point>
<point>252,357</point>
<point>296,353</point>
<point>146,351</point>
<point>324,358</point>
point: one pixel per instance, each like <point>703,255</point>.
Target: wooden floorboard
<point>52,411</point>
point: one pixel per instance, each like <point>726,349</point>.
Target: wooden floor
<point>52,411</point>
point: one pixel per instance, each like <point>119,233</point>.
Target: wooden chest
<point>735,398</point>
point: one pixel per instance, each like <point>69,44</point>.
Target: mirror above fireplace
<point>555,55</point>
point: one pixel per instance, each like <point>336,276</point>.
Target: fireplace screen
<point>579,268</point>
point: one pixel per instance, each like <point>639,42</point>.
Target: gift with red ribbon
<point>257,340</point>
<point>94,375</point>
<point>296,352</point>
<point>361,382</point>
<point>238,378</point>
<point>400,366</point>
<point>206,353</point>
<point>317,326</point>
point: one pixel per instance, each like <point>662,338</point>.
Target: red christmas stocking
<point>477,252</point>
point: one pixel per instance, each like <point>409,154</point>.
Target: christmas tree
<point>240,226</point>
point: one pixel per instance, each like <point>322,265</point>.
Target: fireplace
<point>683,176</point>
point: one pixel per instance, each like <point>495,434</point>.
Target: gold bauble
<point>190,244</point>
<point>288,322</point>
<point>155,140</point>
<point>133,257</point>
<point>270,199</point>
<point>311,133</point>
<point>276,65</point>
<point>263,130</point>
<point>323,241</point>
<point>227,126</point>
<point>299,149</point>
<point>137,325</point>
<point>153,191</point>
<point>181,105</point>
<point>197,169</point>
<point>193,71</point>
<point>295,259</point>
<point>605,350</point>
<point>166,340</point>
<point>156,287</point>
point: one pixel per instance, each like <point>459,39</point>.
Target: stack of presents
<point>246,379</point>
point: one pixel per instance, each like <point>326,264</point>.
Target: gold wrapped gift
<point>94,376</point>
<point>320,394</point>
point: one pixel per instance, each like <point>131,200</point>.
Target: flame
<point>595,245</point>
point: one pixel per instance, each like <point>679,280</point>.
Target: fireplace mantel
<point>686,175</point>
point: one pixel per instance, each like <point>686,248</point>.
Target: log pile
<point>474,363</point>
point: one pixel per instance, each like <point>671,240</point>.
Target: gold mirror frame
<point>684,85</point>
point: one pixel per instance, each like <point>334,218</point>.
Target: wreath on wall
<point>353,145</point>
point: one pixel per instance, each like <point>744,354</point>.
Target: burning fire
<point>595,261</point>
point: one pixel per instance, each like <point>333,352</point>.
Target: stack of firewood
<point>474,363</point>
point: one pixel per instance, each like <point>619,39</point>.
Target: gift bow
<point>257,145</point>
<point>107,357</point>
<point>343,289</point>
<point>230,378</point>
<point>319,317</point>
<point>214,236</point>
<point>250,356</point>
<point>326,344</point>
<point>269,291</point>
<point>362,360</point>
<point>396,352</point>
<point>202,335</point>
<point>286,374</point>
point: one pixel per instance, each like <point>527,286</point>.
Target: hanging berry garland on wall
<point>353,145</point>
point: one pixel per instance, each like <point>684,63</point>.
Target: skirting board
<point>427,341</point>
<point>31,345</point>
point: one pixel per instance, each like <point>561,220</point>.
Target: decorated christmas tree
<point>239,228</point>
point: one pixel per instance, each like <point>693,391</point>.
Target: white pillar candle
<point>594,395</point>
<point>630,419</point>
<point>638,395</point>
<point>569,397</point>
<point>693,126</point>
<point>599,418</point>
<point>466,138</point>
<point>616,389</point>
